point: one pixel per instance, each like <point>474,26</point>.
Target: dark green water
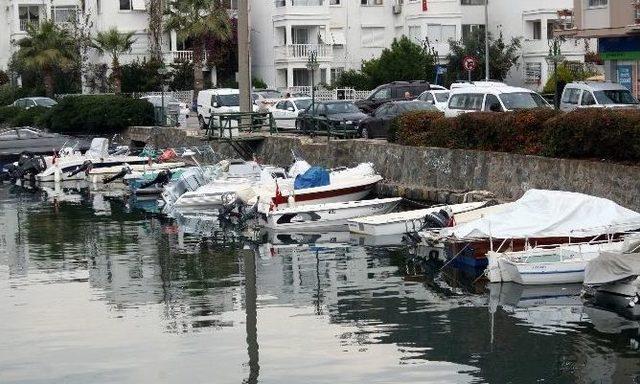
<point>96,291</point>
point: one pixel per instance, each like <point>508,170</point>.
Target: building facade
<point>346,32</point>
<point>616,26</point>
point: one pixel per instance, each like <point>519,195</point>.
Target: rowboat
<point>312,217</point>
<point>396,223</point>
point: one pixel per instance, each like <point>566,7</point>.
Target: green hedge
<point>98,114</point>
<point>18,117</point>
<point>591,133</point>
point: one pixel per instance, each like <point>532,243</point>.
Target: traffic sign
<point>469,63</point>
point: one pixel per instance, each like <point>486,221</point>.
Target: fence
<point>182,96</point>
<point>331,94</point>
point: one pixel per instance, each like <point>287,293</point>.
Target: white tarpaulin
<point>542,213</point>
<point>611,266</point>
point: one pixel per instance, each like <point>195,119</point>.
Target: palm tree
<point>114,43</point>
<point>197,20</point>
<point>46,48</point>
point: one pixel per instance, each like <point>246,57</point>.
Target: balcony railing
<point>25,22</point>
<point>302,51</point>
<point>180,56</point>
<point>303,3</point>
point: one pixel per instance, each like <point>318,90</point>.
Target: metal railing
<point>302,51</point>
<point>304,3</point>
<point>181,56</point>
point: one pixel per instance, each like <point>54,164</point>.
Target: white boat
<point>408,221</point>
<point>344,185</point>
<point>562,264</point>
<point>97,175</point>
<point>315,216</point>
<point>73,165</point>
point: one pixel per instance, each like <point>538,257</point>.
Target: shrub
<point>594,133</point>
<point>98,114</point>
<point>258,83</point>
<point>407,128</point>
<point>141,76</point>
<point>28,117</point>
<point>7,113</point>
<point>9,94</point>
<point>4,78</point>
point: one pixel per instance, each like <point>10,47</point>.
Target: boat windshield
<point>614,96</point>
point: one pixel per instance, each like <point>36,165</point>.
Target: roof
<point>490,89</point>
<point>597,85</point>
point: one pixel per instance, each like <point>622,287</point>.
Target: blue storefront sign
<point>624,76</point>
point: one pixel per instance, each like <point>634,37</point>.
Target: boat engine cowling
<point>439,219</point>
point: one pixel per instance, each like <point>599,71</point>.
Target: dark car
<point>377,125</point>
<point>397,90</point>
<point>335,113</point>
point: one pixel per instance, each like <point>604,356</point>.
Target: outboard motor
<point>163,178</point>
<point>85,167</point>
<point>123,172</point>
<point>440,219</point>
<point>28,165</point>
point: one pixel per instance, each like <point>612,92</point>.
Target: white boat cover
<point>611,266</point>
<point>544,213</point>
<point>99,148</point>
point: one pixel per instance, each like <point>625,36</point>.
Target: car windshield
<point>522,100</point>
<point>615,96</point>
<point>229,100</point>
<point>415,106</point>
<point>303,104</point>
<point>335,108</point>
<point>45,102</point>
<point>442,97</point>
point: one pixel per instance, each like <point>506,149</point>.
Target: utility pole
<point>244,71</point>
<point>486,40</point>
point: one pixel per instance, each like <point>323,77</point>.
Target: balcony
<point>309,9</point>
<point>300,52</point>
<point>300,3</point>
<point>180,56</point>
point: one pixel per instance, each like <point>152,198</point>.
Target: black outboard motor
<point>123,172</point>
<point>440,219</point>
<point>85,167</point>
<point>28,165</point>
<point>163,178</point>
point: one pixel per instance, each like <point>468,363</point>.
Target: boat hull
<point>566,272</point>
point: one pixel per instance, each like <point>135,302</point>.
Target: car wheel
<point>364,132</point>
<point>201,122</point>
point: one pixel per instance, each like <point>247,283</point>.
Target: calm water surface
<point>95,290</point>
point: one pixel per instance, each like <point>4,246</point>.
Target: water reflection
<point>110,292</point>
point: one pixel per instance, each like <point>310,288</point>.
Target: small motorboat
<point>14,141</point>
<point>312,217</point>
<point>410,221</point>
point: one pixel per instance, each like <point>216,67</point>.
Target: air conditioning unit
<point>397,9</point>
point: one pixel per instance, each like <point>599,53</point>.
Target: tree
<point>503,56</point>
<point>568,73</point>
<point>404,60</point>
<point>155,29</point>
<point>114,43</point>
<point>197,20</point>
<point>45,49</point>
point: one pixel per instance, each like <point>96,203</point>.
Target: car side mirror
<point>215,104</point>
<point>495,107</point>
<point>290,109</point>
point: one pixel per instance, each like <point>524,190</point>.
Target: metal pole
<point>556,104</point>
<point>244,71</point>
<point>313,92</point>
<point>163,118</point>
<point>486,39</point>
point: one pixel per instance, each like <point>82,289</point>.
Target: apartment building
<point>616,26</point>
<point>345,32</point>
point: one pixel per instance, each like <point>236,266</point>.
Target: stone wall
<point>445,175</point>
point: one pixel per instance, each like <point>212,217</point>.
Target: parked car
<point>30,102</point>
<point>266,98</point>
<point>591,94</point>
<point>397,90</point>
<point>334,112</point>
<point>172,107</point>
<point>378,124</point>
<point>437,97</point>
<point>286,110</point>
<point>491,97</point>
<point>220,100</point>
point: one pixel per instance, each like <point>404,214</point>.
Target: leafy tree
<point>353,79</point>
<point>141,76</point>
<point>181,76</point>
<point>568,73</point>
<point>503,56</point>
<point>258,83</point>
<point>45,49</point>
<point>114,43</point>
<point>197,20</point>
<point>405,60</point>
<point>4,78</point>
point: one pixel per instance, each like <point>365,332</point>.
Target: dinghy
<point>409,221</point>
<point>312,217</point>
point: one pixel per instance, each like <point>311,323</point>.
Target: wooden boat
<point>311,217</point>
<point>407,221</point>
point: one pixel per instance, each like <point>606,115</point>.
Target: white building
<point>345,32</point>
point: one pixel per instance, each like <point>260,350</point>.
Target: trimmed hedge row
<point>585,133</point>
<point>11,116</point>
<point>98,114</point>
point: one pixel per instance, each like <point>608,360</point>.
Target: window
<point>551,26</point>
<point>533,73</point>
<point>281,105</point>
<point>571,96</point>
<point>537,30</point>
<point>522,100</point>
<point>467,101</point>
<point>441,33</point>
<point>598,3</point>
<point>125,5</point>
<point>28,14</point>
<point>65,14</point>
<point>492,104</point>
<point>615,96</point>
<point>587,98</point>
<point>469,29</point>
<point>373,36</point>
<point>132,5</point>
<point>370,2</point>
<point>415,32</point>
<point>336,73</point>
<point>428,97</point>
<point>334,2</point>
<point>383,94</point>
<point>471,2</point>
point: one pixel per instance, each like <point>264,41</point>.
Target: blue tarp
<point>313,177</point>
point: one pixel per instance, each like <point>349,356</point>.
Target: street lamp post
<point>162,71</point>
<point>554,57</point>
<point>312,65</point>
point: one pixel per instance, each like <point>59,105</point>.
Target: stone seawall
<point>445,175</point>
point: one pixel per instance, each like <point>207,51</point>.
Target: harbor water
<point>99,289</point>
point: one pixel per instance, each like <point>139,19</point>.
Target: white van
<point>220,100</point>
<point>491,97</point>
<point>592,94</point>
